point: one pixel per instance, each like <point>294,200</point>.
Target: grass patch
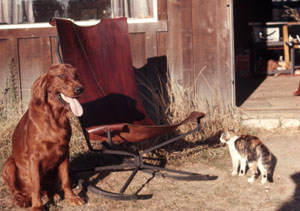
<point>173,102</point>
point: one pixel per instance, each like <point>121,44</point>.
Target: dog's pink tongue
<point>75,106</point>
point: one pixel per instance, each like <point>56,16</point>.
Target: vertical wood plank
<point>151,45</point>
<point>45,45</point>
<point>187,42</point>
<point>138,49</point>
<point>224,40</point>
<point>205,47</point>
<point>180,41</point>
<point>174,41</point>
<point>162,43</point>
<point>162,9</point>
<point>31,65</point>
<point>53,55</point>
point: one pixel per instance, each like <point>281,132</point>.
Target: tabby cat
<point>248,149</point>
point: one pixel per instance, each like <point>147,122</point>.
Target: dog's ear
<point>39,89</point>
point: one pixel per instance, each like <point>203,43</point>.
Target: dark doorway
<point>255,59</point>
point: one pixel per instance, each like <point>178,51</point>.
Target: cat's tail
<point>270,175</point>
<point>270,169</point>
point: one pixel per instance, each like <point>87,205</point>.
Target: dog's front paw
<point>234,172</point>
<point>75,201</point>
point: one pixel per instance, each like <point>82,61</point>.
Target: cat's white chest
<point>232,149</point>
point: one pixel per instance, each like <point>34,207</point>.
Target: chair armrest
<point>102,129</point>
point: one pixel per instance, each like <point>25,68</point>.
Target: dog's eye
<point>62,76</point>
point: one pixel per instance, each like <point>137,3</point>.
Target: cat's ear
<point>226,135</point>
<point>233,130</point>
<point>225,131</point>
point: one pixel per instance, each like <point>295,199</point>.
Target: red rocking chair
<point>113,110</point>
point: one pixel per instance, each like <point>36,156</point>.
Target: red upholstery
<point>110,101</point>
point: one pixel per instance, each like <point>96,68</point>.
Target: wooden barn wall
<point>32,52</point>
<point>193,34</point>
<point>199,47</point>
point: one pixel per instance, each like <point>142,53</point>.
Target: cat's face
<point>227,136</point>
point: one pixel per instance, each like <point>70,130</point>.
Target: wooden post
<point>286,47</point>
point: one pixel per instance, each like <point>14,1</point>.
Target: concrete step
<point>270,118</point>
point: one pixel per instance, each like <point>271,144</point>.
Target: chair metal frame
<point>138,164</point>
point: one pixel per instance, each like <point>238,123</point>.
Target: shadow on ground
<point>294,203</point>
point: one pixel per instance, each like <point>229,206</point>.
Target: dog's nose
<point>78,90</point>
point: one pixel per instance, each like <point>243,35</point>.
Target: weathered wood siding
<point>195,35</point>
<point>32,53</point>
<point>200,48</point>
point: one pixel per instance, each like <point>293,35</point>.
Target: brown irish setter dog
<point>40,154</point>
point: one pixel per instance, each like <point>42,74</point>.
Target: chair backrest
<point>102,55</point>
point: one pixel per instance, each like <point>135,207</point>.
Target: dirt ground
<point>227,192</point>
